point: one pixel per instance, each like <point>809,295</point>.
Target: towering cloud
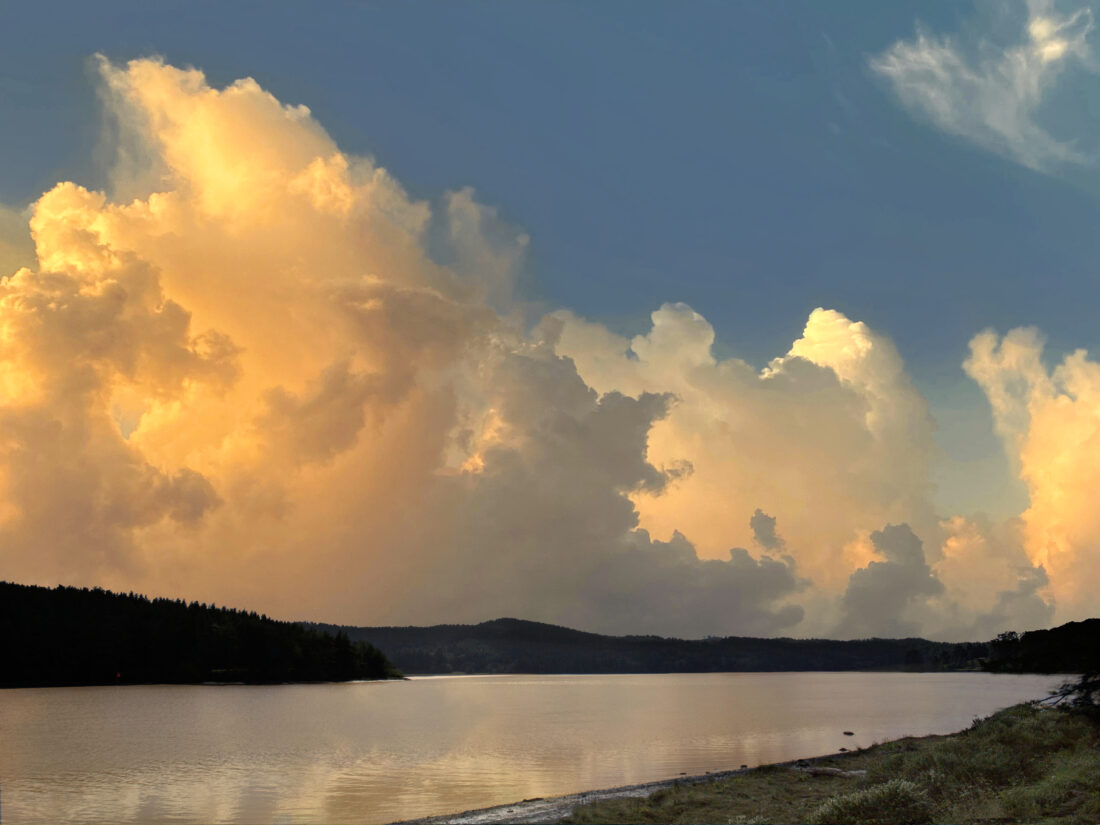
<point>242,377</point>
<point>830,438</point>
<point>1050,422</point>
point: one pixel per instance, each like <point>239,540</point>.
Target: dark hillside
<point>517,646</point>
<point>1070,648</point>
<point>70,636</point>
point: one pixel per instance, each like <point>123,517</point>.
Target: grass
<point>1026,764</point>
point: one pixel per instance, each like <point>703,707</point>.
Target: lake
<point>374,752</point>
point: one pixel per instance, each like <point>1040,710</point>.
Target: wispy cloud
<point>988,94</point>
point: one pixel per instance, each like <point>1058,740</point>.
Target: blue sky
<point>745,158</point>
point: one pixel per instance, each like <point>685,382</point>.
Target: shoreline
<point>551,809</point>
<point>208,684</point>
<point>1028,762</point>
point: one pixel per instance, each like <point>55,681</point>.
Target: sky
<point>692,319</point>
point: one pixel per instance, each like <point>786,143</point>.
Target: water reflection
<point>376,752</point>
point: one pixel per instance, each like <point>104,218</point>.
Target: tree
<point>1081,694</point>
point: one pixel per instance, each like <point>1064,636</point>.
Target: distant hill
<point>517,646</point>
<point>70,636</point>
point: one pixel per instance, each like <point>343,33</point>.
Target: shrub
<point>897,802</point>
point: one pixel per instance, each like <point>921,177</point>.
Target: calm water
<point>377,752</point>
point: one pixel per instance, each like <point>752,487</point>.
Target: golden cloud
<point>247,381</point>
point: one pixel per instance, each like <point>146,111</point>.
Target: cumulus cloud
<point>267,376</point>
<point>545,528</point>
<point>763,530</point>
<point>880,596</point>
<point>1050,422</point>
<point>253,382</point>
<point>990,581</point>
<point>1022,607</point>
<point>74,490</point>
<point>990,94</point>
<point>830,438</point>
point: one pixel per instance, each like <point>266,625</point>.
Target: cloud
<point>16,246</point>
<point>74,490</point>
<point>265,375</point>
<point>991,583</point>
<point>545,527</point>
<point>992,96</point>
<point>763,530</point>
<point>1050,422</point>
<point>1022,607</point>
<point>1010,371</point>
<point>831,438</point>
<point>880,595</point>
<point>253,383</point>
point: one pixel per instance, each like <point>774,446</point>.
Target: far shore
<point>208,684</point>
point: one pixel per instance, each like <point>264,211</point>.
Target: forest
<point>518,646</point>
<point>82,636</point>
<point>1070,648</point>
<point>71,636</point>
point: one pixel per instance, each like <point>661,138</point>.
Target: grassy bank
<point>1023,764</point>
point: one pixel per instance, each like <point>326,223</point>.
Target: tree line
<point>81,636</point>
<point>518,646</point>
<point>1072,648</point>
